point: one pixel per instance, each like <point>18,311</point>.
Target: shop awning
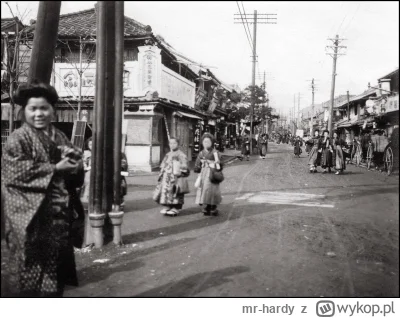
<point>347,123</point>
<point>182,114</point>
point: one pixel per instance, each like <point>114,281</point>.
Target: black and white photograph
<point>202,149</point>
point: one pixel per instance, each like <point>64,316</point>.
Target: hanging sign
<point>196,142</point>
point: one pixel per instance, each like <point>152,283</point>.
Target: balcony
<point>140,77</point>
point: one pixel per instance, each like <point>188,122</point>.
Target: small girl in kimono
<point>208,193</point>
<point>327,153</point>
<point>297,147</point>
<point>314,159</point>
<point>173,167</point>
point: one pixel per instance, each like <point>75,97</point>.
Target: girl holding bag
<point>210,176</point>
<point>172,180</point>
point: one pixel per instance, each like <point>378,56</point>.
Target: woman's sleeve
<point>197,165</point>
<point>21,171</point>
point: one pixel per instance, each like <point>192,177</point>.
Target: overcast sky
<point>292,51</point>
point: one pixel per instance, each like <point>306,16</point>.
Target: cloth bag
<point>182,186</point>
<point>216,176</point>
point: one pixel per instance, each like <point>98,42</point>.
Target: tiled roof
<point>83,23</point>
<point>7,23</point>
<point>386,76</point>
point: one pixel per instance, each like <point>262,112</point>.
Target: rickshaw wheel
<point>389,160</point>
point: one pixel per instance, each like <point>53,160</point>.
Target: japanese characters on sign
<point>196,142</point>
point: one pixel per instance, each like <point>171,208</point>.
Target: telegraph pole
<point>44,41</point>
<point>256,19</point>
<point>335,47</point>
<point>348,106</point>
<point>312,110</point>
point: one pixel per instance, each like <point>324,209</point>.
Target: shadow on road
<point>185,287</point>
<point>122,263</point>
<point>198,224</point>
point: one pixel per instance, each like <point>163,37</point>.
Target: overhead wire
<point>245,30</point>
<point>247,23</point>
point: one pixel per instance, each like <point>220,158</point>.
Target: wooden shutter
<point>78,134</point>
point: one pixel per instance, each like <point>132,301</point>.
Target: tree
<point>12,61</point>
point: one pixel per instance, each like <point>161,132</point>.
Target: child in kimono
<point>173,167</point>
<point>327,153</point>
<point>314,159</point>
<point>208,193</point>
<point>297,147</point>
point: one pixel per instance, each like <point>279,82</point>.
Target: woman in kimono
<point>245,148</point>
<point>41,170</point>
<point>315,153</point>
<point>262,144</point>
<point>297,147</point>
<point>339,159</point>
<point>173,167</point>
<point>327,153</point>
<point>208,193</point>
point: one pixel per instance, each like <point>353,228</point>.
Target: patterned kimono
<point>39,204</point>
<point>314,159</point>
<point>338,157</point>
<point>245,146</point>
<point>262,144</point>
<point>165,192</point>
<point>208,193</point>
<point>297,147</point>
<point>327,153</point>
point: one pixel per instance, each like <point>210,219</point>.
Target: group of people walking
<point>173,184</point>
<point>326,152</point>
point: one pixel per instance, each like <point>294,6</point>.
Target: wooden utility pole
<point>255,19</point>
<point>78,115</point>
<point>298,111</point>
<point>103,128</point>
<point>44,41</point>
<point>117,214</point>
<point>348,106</point>
<point>312,110</point>
<point>253,84</point>
<point>336,41</point>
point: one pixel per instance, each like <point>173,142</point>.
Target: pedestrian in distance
<point>297,146</point>
<point>172,180</point>
<point>314,159</point>
<point>263,145</point>
<point>339,159</point>
<point>41,170</point>
<point>245,148</point>
<point>208,166</point>
<point>327,153</point>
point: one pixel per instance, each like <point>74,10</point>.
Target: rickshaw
<point>382,146</point>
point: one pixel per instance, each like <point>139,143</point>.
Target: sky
<point>291,52</point>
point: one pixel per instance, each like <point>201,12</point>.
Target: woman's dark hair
<point>209,136</point>
<point>87,143</point>
<point>176,139</point>
<point>326,130</point>
<point>316,131</point>
<point>35,89</point>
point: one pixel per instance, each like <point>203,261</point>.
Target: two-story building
<point>159,88</point>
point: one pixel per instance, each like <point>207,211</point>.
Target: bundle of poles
<point>105,193</point>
